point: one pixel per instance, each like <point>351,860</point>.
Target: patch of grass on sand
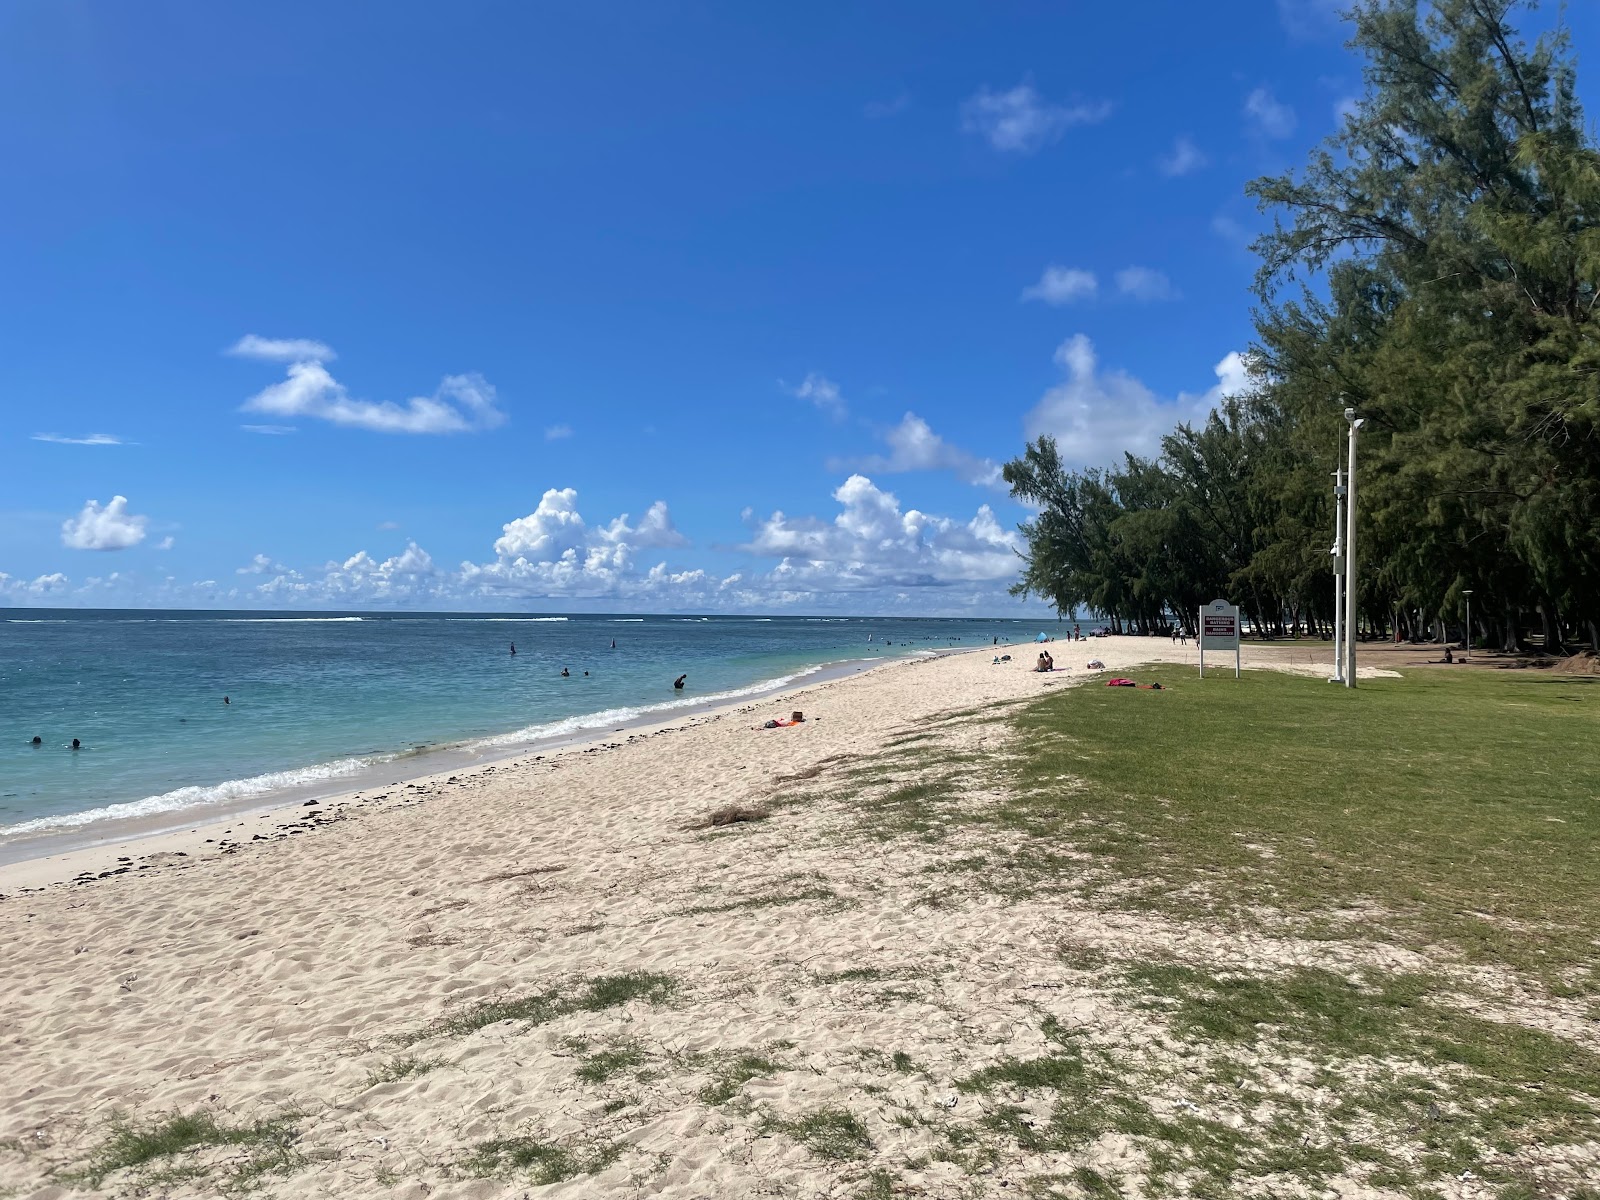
<point>1453,808</point>
<point>165,1145</point>
<point>1464,1085</point>
<point>831,1133</point>
<point>730,1072</point>
<point>402,1067</point>
<point>540,1008</point>
<point>597,1068</point>
<point>543,1162</point>
<point>770,900</point>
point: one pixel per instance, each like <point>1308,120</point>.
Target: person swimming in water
<point>37,740</point>
<point>76,744</point>
<point>678,682</point>
<point>513,649</point>
<point>566,674</point>
<point>225,700</point>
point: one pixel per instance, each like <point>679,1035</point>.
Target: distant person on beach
<point>678,682</point>
<point>76,744</point>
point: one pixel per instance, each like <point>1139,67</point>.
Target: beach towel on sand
<point>1120,682</point>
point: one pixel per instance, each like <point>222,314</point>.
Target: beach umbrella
<point>1041,638</point>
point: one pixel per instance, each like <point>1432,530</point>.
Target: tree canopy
<point>1433,265</point>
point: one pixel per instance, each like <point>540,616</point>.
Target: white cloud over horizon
<point>111,527</point>
<point>1021,121</point>
<point>1096,415</point>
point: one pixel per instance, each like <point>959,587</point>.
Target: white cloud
<point>1062,285</point>
<point>822,392</point>
<point>261,565</point>
<point>462,403</point>
<point>110,528</point>
<point>548,531</point>
<point>554,433</point>
<point>165,543</point>
<point>92,439</point>
<point>33,589</point>
<point>282,350</point>
<point>1185,159</point>
<point>654,530</point>
<point>877,110</point>
<point>1021,121</point>
<point>270,430</point>
<point>872,544</point>
<point>914,446</point>
<point>386,526</point>
<point>1231,231</point>
<point>1095,415</point>
<point>1345,107</point>
<point>1271,117</point>
<point>1143,283</point>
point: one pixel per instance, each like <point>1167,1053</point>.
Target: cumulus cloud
<point>261,565</point>
<point>281,350</point>
<point>1143,283</point>
<point>91,439</point>
<point>1095,415</point>
<point>1270,117</point>
<point>821,391</point>
<point>871,543</point>
<point>914,446</point>
<point>111,527</point>
<point>462,404</point>
<point>1062,285</point>
<point>1184,159</point>
<point>1020,121</point>
<point>166,543</point>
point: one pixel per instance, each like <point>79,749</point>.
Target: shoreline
<point>110,846</point>
<point>20,844</point>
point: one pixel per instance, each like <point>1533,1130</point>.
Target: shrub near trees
<point>1434,266</point>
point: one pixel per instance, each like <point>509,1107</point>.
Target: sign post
<point>1219,630</point>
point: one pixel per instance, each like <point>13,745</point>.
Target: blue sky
<point>402,304</point>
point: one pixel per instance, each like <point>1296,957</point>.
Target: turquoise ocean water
<point>325,700</point>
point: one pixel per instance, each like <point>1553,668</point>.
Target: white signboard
<point>1219,630</point>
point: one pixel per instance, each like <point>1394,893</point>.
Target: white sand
<point>274,978</point>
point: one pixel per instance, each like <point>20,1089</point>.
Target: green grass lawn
<point>1445,808</point>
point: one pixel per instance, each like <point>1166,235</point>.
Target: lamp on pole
<point>1355,424</point>
<point>1466,641</point>
<point>1338,576</point>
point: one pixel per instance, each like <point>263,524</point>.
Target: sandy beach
<point>678,1000</point>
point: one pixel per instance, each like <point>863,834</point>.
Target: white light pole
<point>1466,641</point>
<point>1355,423</point>
<point>1338,577</point>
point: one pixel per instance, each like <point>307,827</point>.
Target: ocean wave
<point>199,796</point>
<point>627,620</point>
<point>612,716</point>
<point>514,620</point>
<point>277,620</point>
